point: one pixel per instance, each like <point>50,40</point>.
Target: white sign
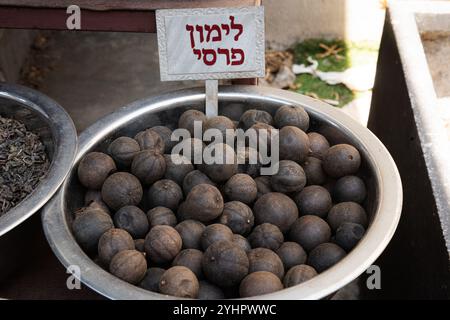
<point>213,43</point>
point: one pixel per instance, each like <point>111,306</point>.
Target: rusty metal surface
<point>129,5</point>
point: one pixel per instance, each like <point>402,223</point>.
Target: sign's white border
<point>258,11</point>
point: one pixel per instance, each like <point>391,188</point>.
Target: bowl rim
<point>65,139</point>
<point>379,233</point>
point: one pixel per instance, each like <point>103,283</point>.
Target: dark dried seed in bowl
<point>263,259</point>
<point>129,265</point>
<point>291,254</point>
<point>150,140</point>
<point>121,189</point>
<point>298,274</point>
<point>133,220</point>
<point>161,216</point>
<point>292,116</point>
<point>112,242</point>
<point>266,235</point>
<point>294,144</point>
<point>94,168</point>
<point>310,231</point>
<point>162,244</point>
<point>224,264</point>
<point>325,256</point>
<point>214,233</point>
<point>180,282</point>
<point>191,233</point>
<point>165,193</point>
<point>275,208</point>
<point>89,225</point>
<point>152,279</point>
<point>123,150</point>
<point>259,283</point>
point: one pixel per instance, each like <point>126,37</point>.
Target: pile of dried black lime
<point>23,163</point>
<point>214,231</point>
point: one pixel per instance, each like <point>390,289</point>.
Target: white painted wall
<point>290,21</point>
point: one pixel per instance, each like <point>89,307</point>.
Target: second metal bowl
<point>383,204</point>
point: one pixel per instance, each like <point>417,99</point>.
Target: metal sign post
<point>212,98</point>
<point>211,44</point>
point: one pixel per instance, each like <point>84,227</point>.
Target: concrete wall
<point>290,21</point>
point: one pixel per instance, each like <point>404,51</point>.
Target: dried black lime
<point>348,235</point>
<point>191,259</point>
<point>177,167</point>
<point>89,225</point>
<point>187,119</point>
<point>291,254</point>
<point>310,231</point>
<point>149,166</point>
<point>191,149</point>
<point>161,216</point>
<point>203,203</point>
<point>165,193</point>
<point>223,162</point>
<point>275,208</point>
<point>341,160</point>
<point>298,274</point>
<point>294,144</point>
<point>349,188</point>
<point>238,217</point>
<point>123,150</point>
<point>313,200</point>
<point>262,185</point>
<point>346,212</point>
<point>94,168</point>
<point>112,242</point>
<point>253,116</point>
<point>162,244</point>
<point>129,265</point>
<point>222,124</point>
<point>180,282</point>
<point>289,178</point>
<point>266,235</point>
<point>325,255</point>
<point>165,134</point>
<point>214,233</point>
<point>241,187</point>
<point>152,279</point>
<point>121,189</point>
<point>93,198</point>
<point>314,172</point>
<point>249,161</point>
<point>150,140</point>
<point>259,283</point>
<point>208,291</point>
<point>191,233</point>
<point>262,259</point>
<point>194,178</point>
<point>241,242</point>
<point>318,144</point>
<point>292,116</point>
<point>224,264</point>
<point>133,220</point>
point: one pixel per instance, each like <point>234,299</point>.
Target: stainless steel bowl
<point>384,200</point>
<point>45,117</point>
<point>57,131</point>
